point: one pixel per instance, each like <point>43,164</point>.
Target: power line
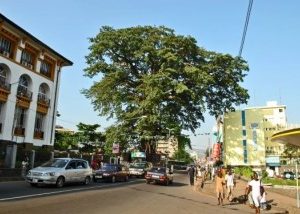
<point>245,27</point>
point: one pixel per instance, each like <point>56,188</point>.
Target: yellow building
<point>247,136</point>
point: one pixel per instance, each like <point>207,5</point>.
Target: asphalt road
<point>131,197</point>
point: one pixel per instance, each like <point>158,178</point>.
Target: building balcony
<point>38,134</point>
<point>4,90</point>
<point>19,131</point>
<point>24,97</point>
<point>43,104</point>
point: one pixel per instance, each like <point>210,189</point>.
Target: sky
<point>271,45</point>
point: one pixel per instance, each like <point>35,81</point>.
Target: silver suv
<point>60,171</point>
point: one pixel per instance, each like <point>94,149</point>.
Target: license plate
<point>155,176</point>
<point>34,180</point>
<point>98,176</point>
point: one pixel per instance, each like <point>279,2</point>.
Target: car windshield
<point>109,167</point>
<point>57,163</point>
<point>138,165</point>
<point>158,170</point>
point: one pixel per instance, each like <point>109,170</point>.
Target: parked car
<point>111,172</point>
<point>159,175</point>
<point>139,169</point>
<point>60,171</point>
<point>288,175</point>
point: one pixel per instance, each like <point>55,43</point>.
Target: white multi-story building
<point>29,85</point>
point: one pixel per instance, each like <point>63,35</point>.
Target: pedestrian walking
<point>255,188</point>
<point>220,182</point>
<point>191,173</point>
<point>25,165</point>
<point>230,183</point>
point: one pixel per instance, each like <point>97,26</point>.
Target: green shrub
<point>264,174</point>
<point>245,171</point>
<point>278,181</point>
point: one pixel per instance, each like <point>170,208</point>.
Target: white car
<point>60,171</point>
<point>139,169</point>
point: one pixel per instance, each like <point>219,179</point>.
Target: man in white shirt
<point>230,183</point>
<point>255,186</point>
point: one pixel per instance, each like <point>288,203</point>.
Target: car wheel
<point>87,180</point>
<point>33,184</point>
<point>113,179</point>
<point>60,182</point>
<point>126,178</point>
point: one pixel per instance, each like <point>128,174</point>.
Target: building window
<point>42,95</point>
<point>20,117</point>
<point>39,122</point>
<point>280,110</point>
<point>245,156</point>
<point>5,47</point>
<point>45,69</point>
<point>27,59</point>
<point>23,90</point>
<point>39,126</point>
<point>3,79</point>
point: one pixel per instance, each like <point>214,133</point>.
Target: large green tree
<point>291,151</point>
<point>151,80</point>
<point>89,137</point>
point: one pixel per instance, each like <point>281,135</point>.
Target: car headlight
<point>29,173</point>
<point>49,174</point>
<point>105,174</point>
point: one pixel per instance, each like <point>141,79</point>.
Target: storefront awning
<point>291,136</point>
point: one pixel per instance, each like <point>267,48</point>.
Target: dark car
<point>111,172</point>
<point>289,175</point>
<point>159,175</point>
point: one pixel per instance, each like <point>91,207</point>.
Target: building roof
<point>9,22</point>
<point>291,136</point>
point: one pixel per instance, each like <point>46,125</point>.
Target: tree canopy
<point>152,80</point>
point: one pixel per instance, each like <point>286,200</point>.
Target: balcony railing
<point>43,99</point>
<point>24,92</point>
<point>19,131</point>
<point>4,85</point>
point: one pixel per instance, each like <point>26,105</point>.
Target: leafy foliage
<point>291,151</point>
<point>88,137</point>
<point>245,171</point>
<point>151,71</point>
<point>63,140</point>
<point>182,155</point>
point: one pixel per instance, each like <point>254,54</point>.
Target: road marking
<point>65,191</point>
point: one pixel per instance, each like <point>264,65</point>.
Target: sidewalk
<point>279,203</point>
